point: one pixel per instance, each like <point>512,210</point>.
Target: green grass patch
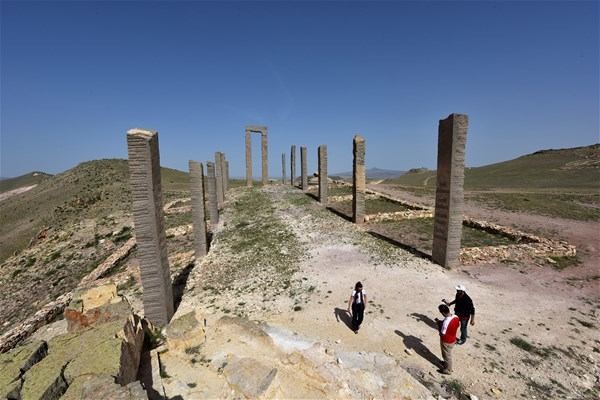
<point>531,348</point>
<point>578,206</point>
<point>562,262</point>
<point>418,233</point>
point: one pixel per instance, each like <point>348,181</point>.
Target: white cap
<point>462,288</point>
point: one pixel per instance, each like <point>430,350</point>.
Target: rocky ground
<point>528,341</point>
<point>264,313</point>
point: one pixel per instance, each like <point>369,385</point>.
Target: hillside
<point>373,173</point>
<point>32,178</point>
<point>574,168</point>
<point>92,189</point>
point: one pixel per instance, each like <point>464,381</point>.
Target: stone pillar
<point>248,158</point>
<point>219,178</point>
<point>283,168</point>
<point>265,157</point>
<point>211,183</point>
<point>303,169</point>
<point>293,165</point>
<point>225,176</point>
<point>449,196</point>
<point>198,211</point>
<point>358,180</point>
<point>323,183</point>
<point>148,219</point>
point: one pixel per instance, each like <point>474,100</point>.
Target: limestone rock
<point>110,348</point>
<point>249,376</point>
<point>186,332</point>
<point>78,318</point>
<point>103,387</point>
<point>15,363</point>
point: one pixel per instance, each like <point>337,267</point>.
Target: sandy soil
<point>531,303</point>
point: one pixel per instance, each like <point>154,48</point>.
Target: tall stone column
<point>248,158</point>
<point>148,219</point>
<point>225,175</point>
<point>219,178</point>
<point>358,180</point>
<point>293,165</point>
<point>283,168</point>
<point>198,211</point>
<point>303,169</point>
<point>323,183</point>
<point>211,182</point>
<point>449,196</point>
<point>265,157</point>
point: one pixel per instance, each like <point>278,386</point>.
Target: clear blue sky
<point>76,75</point>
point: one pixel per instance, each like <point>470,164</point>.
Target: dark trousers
<point>464,323</point>
<point>358,310</point>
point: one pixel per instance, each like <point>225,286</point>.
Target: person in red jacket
<point>447,328</point>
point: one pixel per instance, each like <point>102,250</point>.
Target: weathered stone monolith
<point>198,211</point>
<point>358,180</point>
<point>323,183</point>
<point>219,178</point>
<point>264,151</point>
<point>248,158</point>
<point>449,196</point>
<point>148,219</point>
<point>293,165</point>
<point>283,168</point>
<point>303,169</point>
<point>211,183</point>
<point>225,174</point>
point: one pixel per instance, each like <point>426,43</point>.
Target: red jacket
<point>448,329</point>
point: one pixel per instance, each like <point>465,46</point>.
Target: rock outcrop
<point>103,345</point>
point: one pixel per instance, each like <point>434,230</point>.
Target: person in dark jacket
<point>464,309</point>
<point>358,302</point>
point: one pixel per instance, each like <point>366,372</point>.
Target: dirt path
<point>404,295</point>
<point>528,341</point>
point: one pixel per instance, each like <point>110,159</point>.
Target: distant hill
<point>32,178</point>
<point>576,168</point>
<point>92,189</point>
<point>373,173</point>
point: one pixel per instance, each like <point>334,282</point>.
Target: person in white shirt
<point>358,303</point>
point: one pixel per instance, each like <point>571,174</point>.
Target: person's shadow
<point>344,316</point>
<point>416,344</point>
<point>424,318</point>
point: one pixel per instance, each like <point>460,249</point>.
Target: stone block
<point>15,363</point>
<point>186,332</point>
<point>112,348</point>
<point>248,376</point>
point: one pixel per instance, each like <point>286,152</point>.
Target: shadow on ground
<point>424,318</point>
<point>403,246</point>
<point>344,316</point>
<point>416,344</point>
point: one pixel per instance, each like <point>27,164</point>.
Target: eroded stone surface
<point>449,195</point>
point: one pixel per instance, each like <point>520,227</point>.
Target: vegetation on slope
<point>575,168</point>
<point>93,189</point>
